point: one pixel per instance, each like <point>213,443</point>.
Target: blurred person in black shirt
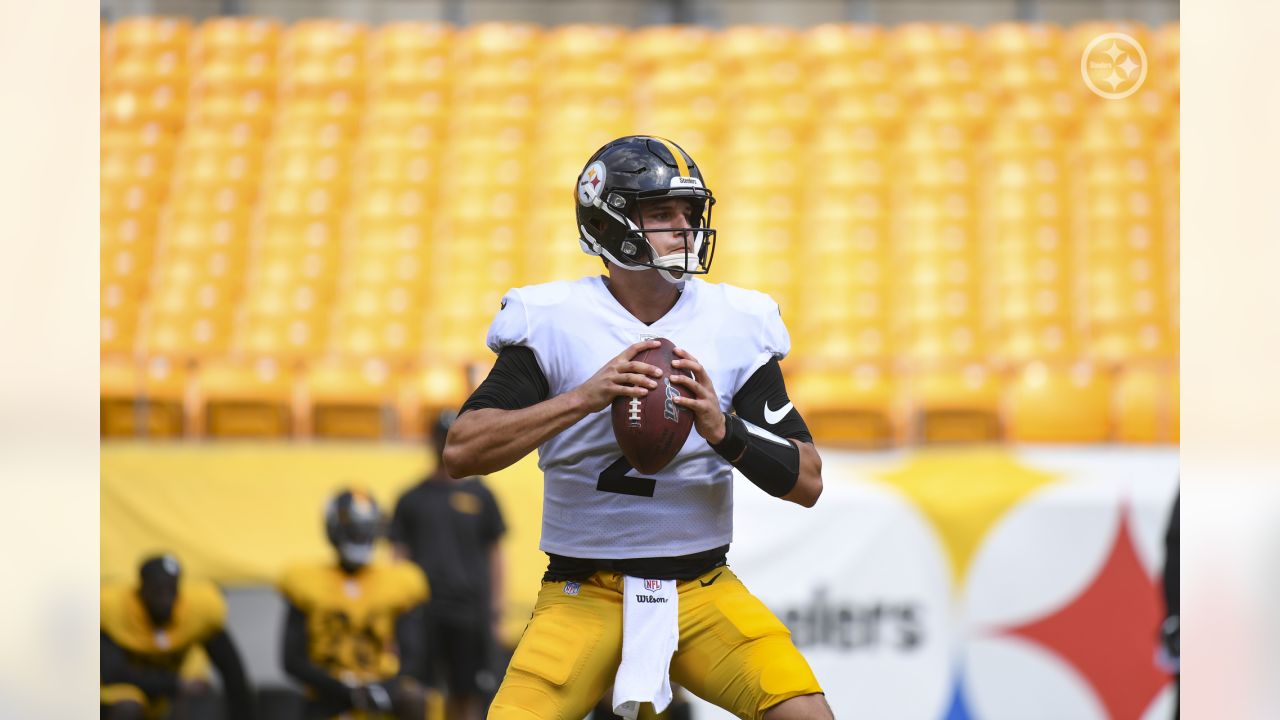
<point>451,529</point>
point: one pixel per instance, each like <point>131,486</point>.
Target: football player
<point>451,529</point>
<point>564,351</point>
<point>148,631</point>
<point>353,628</point>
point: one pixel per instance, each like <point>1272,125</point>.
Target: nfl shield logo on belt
<point>653,585</point>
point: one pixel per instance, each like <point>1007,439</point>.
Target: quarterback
<point>637,592</point>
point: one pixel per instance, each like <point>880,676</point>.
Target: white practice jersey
<point>574,328</point>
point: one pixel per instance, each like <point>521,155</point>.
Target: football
<point>652,429</point>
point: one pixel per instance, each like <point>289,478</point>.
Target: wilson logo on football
<point>669,409</point>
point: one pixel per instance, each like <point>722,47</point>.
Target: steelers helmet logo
<point>591,183</point>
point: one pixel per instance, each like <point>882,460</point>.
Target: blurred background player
<point>353,628</point>
<point>451,529</point>
<point>1169,655</point>
<point>147,634</point>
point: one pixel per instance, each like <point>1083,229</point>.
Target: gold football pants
<point>733,651</point>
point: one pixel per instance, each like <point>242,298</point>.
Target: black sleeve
<point>396,531</point>
<point>298,664</point>
<point>224,656</point>
<point>116,669</point>
<point>493,525</point>
<point>516,381</point>
<point>765,394</point>
<point>410,630</point>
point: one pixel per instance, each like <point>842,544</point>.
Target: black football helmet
<point>353,523</point>
<point>616,179</point>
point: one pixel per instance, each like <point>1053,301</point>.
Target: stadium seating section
<point>306,229</point>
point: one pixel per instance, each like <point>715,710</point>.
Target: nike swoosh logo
<point>705,583</point>
<point>773,416</point>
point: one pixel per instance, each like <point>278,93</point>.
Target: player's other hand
<point>708,418</point>
<point>620,376</point>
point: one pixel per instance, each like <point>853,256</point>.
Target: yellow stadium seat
<point>136,161</point>
<point>397,340</point>
<point>429,389</point>
<point>128,265</point>
<point>118,328</point>
<point>132,198</point>
<point>1054,403</point>
<point>198,169</point>
<point>841,43</point>
<point>314,200</point>
<point>484,41</point>
<point>396,165</point>
<point>164,387</point>
<point>186,334</point>
<point>256,82</point>
<point>242,399</point>
<point>300,235</point>
<point>1019,39</point>
<point>393,203</point>
<point>410,39</point>
<point>247,113</point>
<point>581,42</point>
<point>740,46</point>
<point>289,338</point>
<point>672,45</point>
<point>129,230</point>
<point>352,399</point>
<point>220,200</point>
<point>1145,404</point>
<point>150,31</point>
<point>415,121</point>
<point>305,300</point>
<point>324,39</point>
<point>1050,340</point>
<point>959,403</point>
<point>408,77</point>
<point>922,40</point>
<point>852,406</point>
<point>234,37</point>
<point>119,398</point>
<point>332,121</point>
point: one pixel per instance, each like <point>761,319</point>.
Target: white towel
<point>650,634</point>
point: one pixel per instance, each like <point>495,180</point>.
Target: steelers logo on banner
<point>591,183</point>
<point>1071,624</point>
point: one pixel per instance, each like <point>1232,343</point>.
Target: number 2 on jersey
<point>615,479</point>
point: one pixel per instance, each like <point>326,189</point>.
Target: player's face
<point>159,596</point>
<point>673,213</point>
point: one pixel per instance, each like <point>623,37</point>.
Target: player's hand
<point>620,376</point>
<point>708,418</point>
